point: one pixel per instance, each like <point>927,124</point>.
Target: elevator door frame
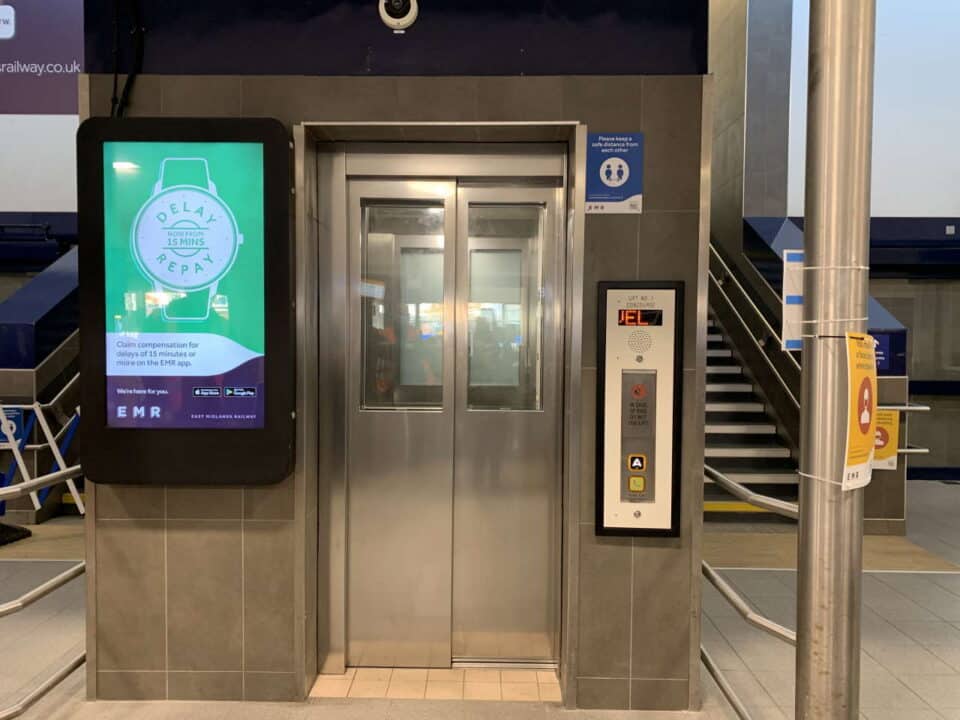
<point>475,171</point>
<point>321,316</point>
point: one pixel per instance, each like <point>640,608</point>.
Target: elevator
<point>454,404</point>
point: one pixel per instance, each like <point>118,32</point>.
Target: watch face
<point>185,238</point>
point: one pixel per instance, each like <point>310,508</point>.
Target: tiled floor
<point>43,637</point>
<point>444,684</point>
<point>911,627</point>
<point>933,517</point>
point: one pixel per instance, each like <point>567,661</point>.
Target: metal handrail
<point>746,295</point>
<point>58,436</point>
<point>725,687</point>
<point>743,607</point>
<point>54,478</point>
<point>42,590</point>
<point>47,405</point>
<point>780,507</point>
<point>733,309</point>
<point>913,450</point>
<point>21,706</point>
<point>909,407</point>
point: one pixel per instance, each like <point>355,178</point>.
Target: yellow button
<point>638,483</point>
<point>636,462</point>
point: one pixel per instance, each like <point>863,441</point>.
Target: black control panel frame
<point>677,416</point>
<point>200,456</point>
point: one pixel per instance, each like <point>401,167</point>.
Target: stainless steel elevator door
<point>506,497</point>
<point>453,538</point>
<point>400,436</point>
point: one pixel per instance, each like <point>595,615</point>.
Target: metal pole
<point>839,114</point>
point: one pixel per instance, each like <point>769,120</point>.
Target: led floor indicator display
<point>184,284</point>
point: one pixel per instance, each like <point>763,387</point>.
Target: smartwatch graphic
<point>185,239</point>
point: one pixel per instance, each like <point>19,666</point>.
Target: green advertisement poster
<point>184,274</point>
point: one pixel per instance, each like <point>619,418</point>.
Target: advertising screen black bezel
<point>195,456</point>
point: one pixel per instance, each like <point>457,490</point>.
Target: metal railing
<point>736,600</point>
<point>42,590</point>
<point>25,601</point>
<point>781,507</point>
<point>17,446</point>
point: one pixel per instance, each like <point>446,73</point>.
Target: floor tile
<point>409,675</point>
<point>373,674</point>
<point>882,690</point>
<point>406,690</point>
<point>932,633</point>
<point>481,691</point>
<point>940,691</point>
<point>550,692</point>
<point>481,675</point>
<point>519,691</point>
<point>518,676</point>
<point>368,688</point>
<point>444,690</point>
<point>446,674</point>
<point>913,659</point>
<point>889,714</point>
<point>331,686</point>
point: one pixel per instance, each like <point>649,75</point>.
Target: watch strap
<point>185,171</point>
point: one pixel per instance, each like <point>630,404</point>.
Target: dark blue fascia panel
<point>62,225</point>
<point>941,474</point>
<point>451,37</point>
<point>935,387</point>
<point>912,247</point>
<point>765,239</point>
<point>40,315</point>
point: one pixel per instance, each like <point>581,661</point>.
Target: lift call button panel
<point>638,408</point>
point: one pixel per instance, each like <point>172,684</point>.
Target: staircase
<point>742,440</point>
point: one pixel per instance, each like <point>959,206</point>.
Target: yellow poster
<point>861,410</point>
<point>887,440</point>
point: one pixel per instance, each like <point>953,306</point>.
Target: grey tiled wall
<point>193,593</point>
<point>637,622</point>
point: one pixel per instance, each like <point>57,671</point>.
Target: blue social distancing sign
<point>615,173</point>
<point>12,420</point>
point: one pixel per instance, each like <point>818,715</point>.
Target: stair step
<point>729,387</point>
<point>736,428</point>
<point>721,418</point>
<point>746,451</point>
<point>719,353</point>
<point>760,478</point>
<point>717,396</point>
<point>724,370</point>
<point>734,406</point>
<point>731,506</point>
<point>725,361</point>
<point>733,467</point>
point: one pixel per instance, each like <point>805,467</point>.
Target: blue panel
<point>40,315</point>
<point>450,37</point>
<point>60,225</point>
<point>935,387</point>
<point>933,473</point>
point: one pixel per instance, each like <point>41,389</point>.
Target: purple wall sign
<point>41,48</point>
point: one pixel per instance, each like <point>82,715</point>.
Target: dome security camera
<point>398,15</point>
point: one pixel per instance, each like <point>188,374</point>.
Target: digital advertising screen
<point>184,286</point>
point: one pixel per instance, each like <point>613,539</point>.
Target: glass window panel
<point>505,312</point>
<point>401,295</point>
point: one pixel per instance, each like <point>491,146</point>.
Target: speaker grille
<point>640,341</point>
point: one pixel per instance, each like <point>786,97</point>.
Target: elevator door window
<point>401,291</point>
